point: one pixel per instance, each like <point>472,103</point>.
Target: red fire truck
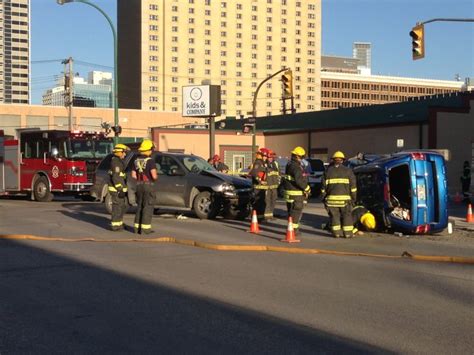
<point>43,162</point>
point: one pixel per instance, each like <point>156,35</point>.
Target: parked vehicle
<point>184,181</point>
<point>40,162</point>
<point>316,175</point>
<point>406,191</point>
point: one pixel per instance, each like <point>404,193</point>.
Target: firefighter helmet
<point>120,148</point>
<point>299,151</point>
<point>146,145</point>
<point>263,152</point>
<point>368,220</point>
<point>338,155</point>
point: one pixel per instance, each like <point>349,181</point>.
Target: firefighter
<point>258,173</point>
<point>273,181</point>
<point>118,186</point>
<point>339,194</point>
<point>296,188</point>
<point>219,165</point>
<point>363,219</point>
<point>144,171</point>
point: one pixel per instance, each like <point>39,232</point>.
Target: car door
<point>171,184</point>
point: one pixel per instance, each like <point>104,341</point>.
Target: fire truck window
<point>82,148</point>
<point>103,148</point>
<point>43,148</point>
<point>31,149</point>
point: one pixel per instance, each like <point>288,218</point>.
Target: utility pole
<point>68,89</point>
<point>254,111</point>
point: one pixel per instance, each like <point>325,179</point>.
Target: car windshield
<point>87,148</point>
<point>196,164</point>
<point>316,164</point>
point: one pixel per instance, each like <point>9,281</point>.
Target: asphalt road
<point>85,297</point>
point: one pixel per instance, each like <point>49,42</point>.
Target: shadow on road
<point>53,304</point>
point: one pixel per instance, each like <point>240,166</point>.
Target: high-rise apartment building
<point>165,45</point>
<point>363,52</point>
<point>14,51</point>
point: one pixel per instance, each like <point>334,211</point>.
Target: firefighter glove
<point>121,194</point>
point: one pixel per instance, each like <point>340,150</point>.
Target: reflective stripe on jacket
<point>339,186</point>
<point>142,169</point>
<point>117,175</point>
<point>273,175</point>
<point>294,182</point>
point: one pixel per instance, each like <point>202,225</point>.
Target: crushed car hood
<point>238,182</point>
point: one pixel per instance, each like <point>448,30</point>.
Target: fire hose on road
<point>245,248</point>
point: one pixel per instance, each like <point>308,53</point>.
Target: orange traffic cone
<point>290,233</point>
<point>469,216</point>
<point>457,198</point>
<point>254,224</point>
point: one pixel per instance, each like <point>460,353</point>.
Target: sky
<point>80,31</point>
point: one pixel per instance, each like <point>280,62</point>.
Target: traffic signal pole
<point>418,36</point>
<point>254,111</point>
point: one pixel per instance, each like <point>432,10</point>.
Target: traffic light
<point>117,130</point>
<point>418,42</point>
<point>287,79</point>
<point>247,128</point>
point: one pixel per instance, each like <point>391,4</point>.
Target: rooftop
<point>409,112</point>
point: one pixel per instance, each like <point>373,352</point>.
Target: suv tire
<point>108,203</point>
<point>204,206</point>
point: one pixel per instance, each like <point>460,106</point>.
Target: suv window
<point>105,163</point>
<point>164,164</point>
<point>195,164</point>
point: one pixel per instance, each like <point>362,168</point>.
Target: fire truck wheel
<point>41,190</point>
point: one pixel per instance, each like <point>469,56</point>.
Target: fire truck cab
<point>43,162</point>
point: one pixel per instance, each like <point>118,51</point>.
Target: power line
<point>45,61</point>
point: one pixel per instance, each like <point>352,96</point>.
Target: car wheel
<point>41,191</point>
<point>204,206</point>
<point>108,203</point>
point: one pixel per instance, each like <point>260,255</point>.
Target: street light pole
<point>115,81</point>
<point>254,111</point>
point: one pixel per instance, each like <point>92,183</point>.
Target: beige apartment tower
<point>167,44</point>
<point>14,51</point>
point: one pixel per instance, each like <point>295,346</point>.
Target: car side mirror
<point>176,172</point>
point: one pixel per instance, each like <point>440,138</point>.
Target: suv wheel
<point>108,203</point>
<point>204,206</point>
